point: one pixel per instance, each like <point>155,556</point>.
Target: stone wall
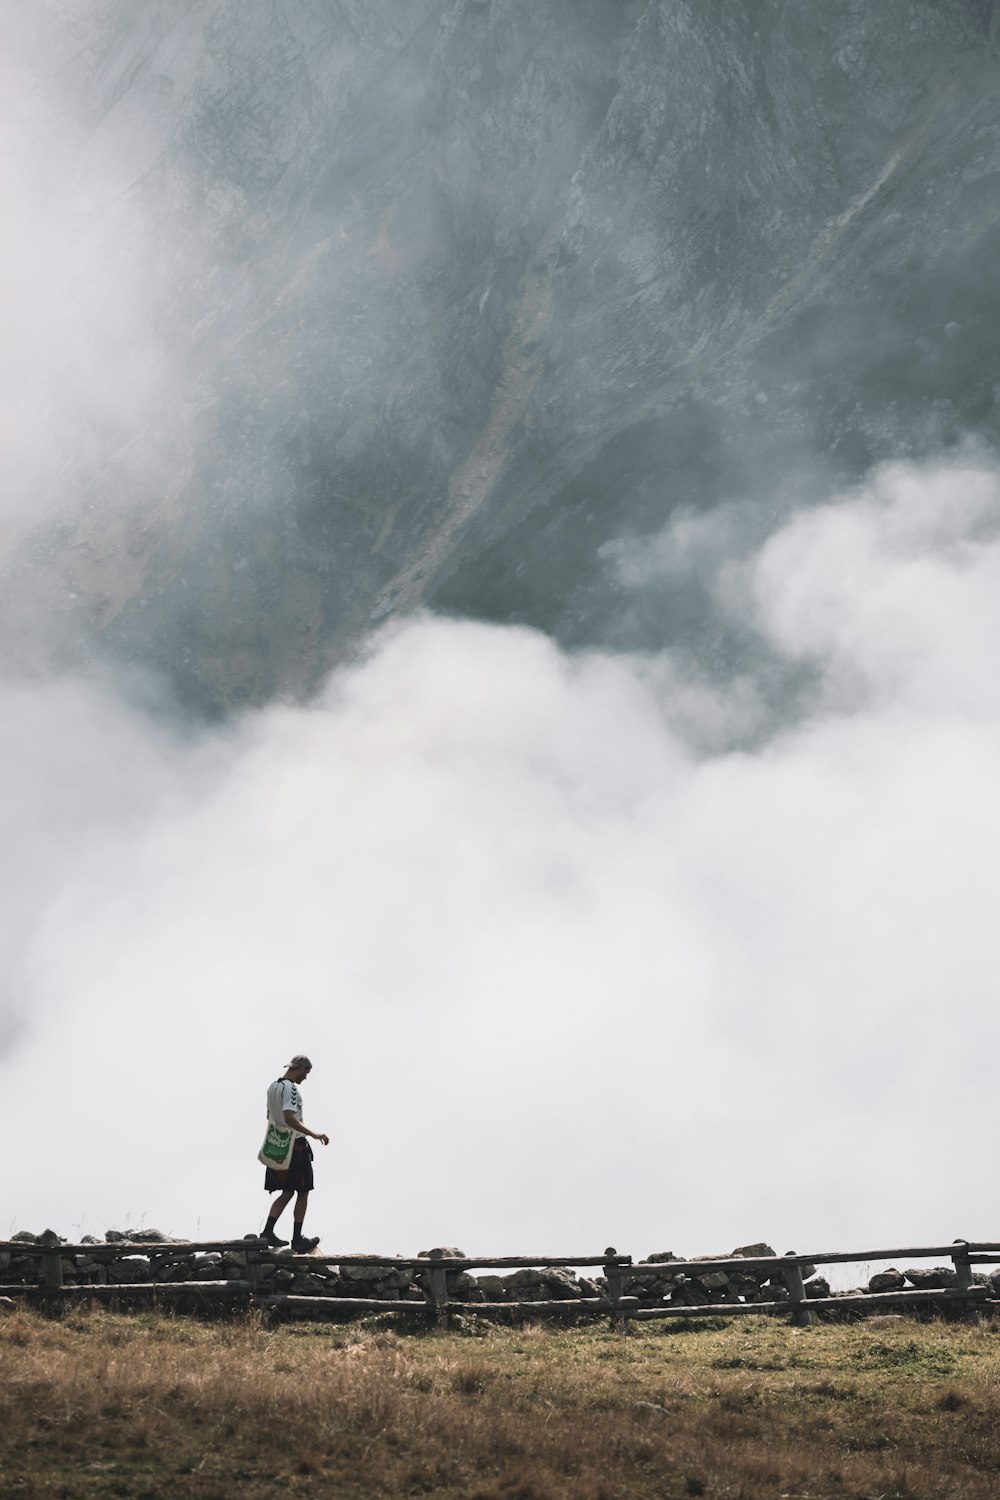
<point>154,1257</point>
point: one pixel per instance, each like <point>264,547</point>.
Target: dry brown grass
<point>150,1406</point>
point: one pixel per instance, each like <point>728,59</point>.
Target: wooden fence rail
<point>783,1271</point>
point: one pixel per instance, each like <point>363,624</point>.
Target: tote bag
<point>276,1151</point>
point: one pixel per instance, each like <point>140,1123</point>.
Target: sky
<point>567,978</point>
<point>587,949</point>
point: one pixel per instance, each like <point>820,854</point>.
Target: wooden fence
<point>52,1259</point>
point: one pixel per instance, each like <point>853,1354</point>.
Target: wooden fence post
<point>963,1273</point>
<point>616,1281</point>
<point>52,1275</point>
<point>439,1290</point>
<point>801,1315</point>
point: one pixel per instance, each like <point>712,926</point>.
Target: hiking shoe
<point>304,1245</point>
<point>272,1239</point>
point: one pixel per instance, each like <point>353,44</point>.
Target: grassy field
<point>146,1405</point>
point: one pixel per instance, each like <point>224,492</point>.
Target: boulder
<point>713,1281</point>
<point>133,1268</point>
<point>306,1284</point>
<point>887,1281</point>
<point>7,1305</point>
<point>747,1287</point>
<point>25,1236</point>
<point>374,1280</point>
<point>450,1252</point>
<point>524,1280</point>
<point>690,1295</point>
<point>560,1282</point>
<point>818,1287</point>
<point>461,1285</point>
<point>930,1278</point>
<point>492,1288</point>
<point>138,1237</point>
<point>753,1252</point>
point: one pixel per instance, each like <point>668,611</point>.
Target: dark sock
<point>269,1226</point>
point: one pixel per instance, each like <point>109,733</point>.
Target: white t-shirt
<point>283,1094</point>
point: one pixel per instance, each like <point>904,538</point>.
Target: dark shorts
<point>298,1175</point>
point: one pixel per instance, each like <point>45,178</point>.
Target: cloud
<point>85,370</point>
<point>568,978</point>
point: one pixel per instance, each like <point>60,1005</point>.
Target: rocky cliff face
<point>427,302</point>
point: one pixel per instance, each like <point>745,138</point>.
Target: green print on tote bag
<point>277,1148</point>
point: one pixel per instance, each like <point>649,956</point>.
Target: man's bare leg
<point>280,1204</point>
<point>277,1209</point>
<point>301,1204</point>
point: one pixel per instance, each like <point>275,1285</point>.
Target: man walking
<point>284,1110</point>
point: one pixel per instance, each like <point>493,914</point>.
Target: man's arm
<point>292,1120</point>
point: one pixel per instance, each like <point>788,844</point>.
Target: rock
<point>713,1281</point>
<point>662,1255</point>
<point>690,1295</point>
<point>492,1288</point>
<point>929,1278</point>
<point>90,1239</point>
<point>50,1239</point>
<point>818,1287</point>
<point>307,1284</point>
<point>651,1408</point>
<point>747,1287</point>
<point>560,1282</point>
<point>754,1252</point>
<point>460,1284</point>
<point>25,1236</point>
<point>7,1305</point>
<point>522,1280</point>
<point>138,1237</point>
<point>371,1281</point>
<point>887,1281</point>
<point>450,1253</point>
<point>132,1269</point>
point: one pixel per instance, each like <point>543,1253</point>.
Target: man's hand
<point>292,1122</point>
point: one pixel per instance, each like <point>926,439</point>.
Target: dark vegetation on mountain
<point>452,294</point>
